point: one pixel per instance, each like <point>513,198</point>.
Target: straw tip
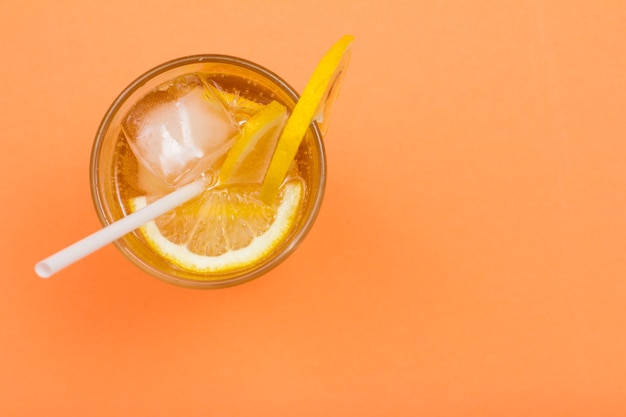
<point>43,270</point>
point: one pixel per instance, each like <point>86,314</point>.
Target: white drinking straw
<point>108,234</point>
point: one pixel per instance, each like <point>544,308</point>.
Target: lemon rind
<point>305,111</point>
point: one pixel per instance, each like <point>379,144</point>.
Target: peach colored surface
<point>469,260</point>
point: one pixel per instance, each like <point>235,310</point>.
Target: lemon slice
<point>314,104</point>
<point>248,159</point>
<point>223,229</point>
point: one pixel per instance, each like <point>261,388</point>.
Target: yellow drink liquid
<point>118,179</point>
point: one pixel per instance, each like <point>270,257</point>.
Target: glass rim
<point>100,202</point>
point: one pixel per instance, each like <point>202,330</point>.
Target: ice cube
<point>179,131</point>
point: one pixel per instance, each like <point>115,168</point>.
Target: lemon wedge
<point>248,159</point>
<point>314,105</point>
<point>224,229</point>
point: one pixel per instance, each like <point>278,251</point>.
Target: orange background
<point>469,259</point>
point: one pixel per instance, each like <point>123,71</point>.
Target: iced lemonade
<point>222,119</point>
